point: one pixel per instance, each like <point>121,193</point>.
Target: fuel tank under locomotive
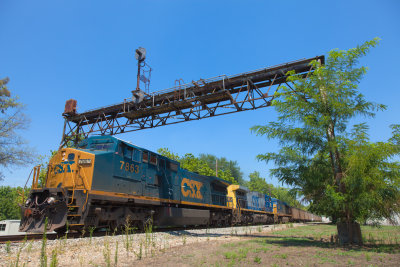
<point>49,203</point>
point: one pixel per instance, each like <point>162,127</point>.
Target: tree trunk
<point>349,233</point>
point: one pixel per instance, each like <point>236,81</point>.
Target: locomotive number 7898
<point>129,167</point>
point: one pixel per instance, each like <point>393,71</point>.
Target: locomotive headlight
<point>28,201</point>
<point>85,161</point>
<point>51,200</point>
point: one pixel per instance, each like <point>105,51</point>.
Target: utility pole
<point>216,167</point>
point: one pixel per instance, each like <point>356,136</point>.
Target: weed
<point>81,261</point>
<point>367,256</point>
<point>127,230</point>
<point>8,247</point>
<point>91,230</point>
<point>140,253</point>
<point>350,262</point>
<point>54,261</point>
<point>29,248</point>
<point>281,256</point>
<point>17,259</point>
<point>43,254</point>
<point>239,255</point>
<point>231,263</point>
<point>230,255</point>
<point>25,240</point>
<point>259,229</point>
<point>148,228</point>
<point>184,240</point>
<point>66,233</point>
<point>83,232</point>
<point>257,260</point>
<point>107,254</point>
<point>116,255</point>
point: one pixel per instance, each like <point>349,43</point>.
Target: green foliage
<point>258,184</point>
<point>13,150</point>
<point>44,168</point>
<point>287,196</point>
<point>224,165</point>
<point>195,164</point>
<point>339,171</point>
<point>10,197</point>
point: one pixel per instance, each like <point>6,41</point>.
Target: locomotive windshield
<point>97,144</point>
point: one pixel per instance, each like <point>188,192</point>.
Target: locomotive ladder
<point>75,211</point>
<point>236,212</point>
<point>200,99</point>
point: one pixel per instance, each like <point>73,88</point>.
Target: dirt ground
<point>275,250</point>
<point>279,245</point>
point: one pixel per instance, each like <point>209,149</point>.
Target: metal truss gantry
<point>200,99</point>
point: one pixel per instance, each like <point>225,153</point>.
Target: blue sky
<point>56,50</point>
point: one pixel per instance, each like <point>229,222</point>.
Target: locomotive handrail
<point>23,190</point>
<point>36,172</point>
<point>86,188</point>
<point>73,190</point>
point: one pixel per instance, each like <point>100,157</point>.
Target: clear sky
<point>56,50</point>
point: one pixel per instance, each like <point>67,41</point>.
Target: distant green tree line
<point>10,197</point>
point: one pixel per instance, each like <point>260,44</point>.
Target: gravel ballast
<point>123,249</point>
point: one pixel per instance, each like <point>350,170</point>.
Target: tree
<point>193,164</point>
<point>13,149</point>
<point>224,165</point>
<point>44,168</point>
<point>336,169</point>
<point>258,184</point>
<point>10,197</point>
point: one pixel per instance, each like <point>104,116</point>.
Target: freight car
<point>107,182</point>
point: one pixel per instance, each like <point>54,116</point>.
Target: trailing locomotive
<point>107,182</point>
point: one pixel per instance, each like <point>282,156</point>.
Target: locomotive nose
<point>43,204</point>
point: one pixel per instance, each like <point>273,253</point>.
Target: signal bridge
<point>200,99</point>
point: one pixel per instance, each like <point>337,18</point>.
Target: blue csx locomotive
<point>107,182</point>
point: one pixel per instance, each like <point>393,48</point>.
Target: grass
<point>309,244</point>
<point>281,256</point>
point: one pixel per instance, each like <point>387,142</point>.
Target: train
<point>106,182</point>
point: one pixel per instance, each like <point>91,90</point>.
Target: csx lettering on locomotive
<point>191,188</point>
<point>63,167</point>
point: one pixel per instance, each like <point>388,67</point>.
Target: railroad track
<point>72,235</point>
<point>49,236</point>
